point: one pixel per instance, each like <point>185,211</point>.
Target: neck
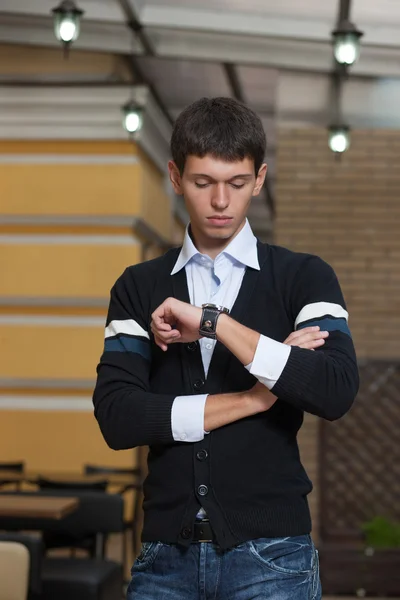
<point>210,246</point>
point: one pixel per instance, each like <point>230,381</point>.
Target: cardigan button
<point>186,533</point>
<point>191,347</point>
<point>202,490</point>
<point>202,455</point>
<point>198,384</point>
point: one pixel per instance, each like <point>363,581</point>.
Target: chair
<point>54,484</point>
<point>12,466</point>
<point>132,523</point>
<point>98,514</point>
<point>16,467</point>
<point>35,548</point>
<point>135,472</point>
<point>14,571</point>
<point>53,539</point>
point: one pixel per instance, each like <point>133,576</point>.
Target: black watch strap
<point>209,318</point>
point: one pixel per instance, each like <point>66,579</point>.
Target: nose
<point>220,197</point>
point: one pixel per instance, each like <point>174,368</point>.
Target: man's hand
<point>309,338</point>
<point>175,321</point>
<point>260,396</point>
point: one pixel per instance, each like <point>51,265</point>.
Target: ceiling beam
<point>275,52</point>
<point>134,24</point>
<point>96,11</point>
<point>272,52</point>
<point>136,28</point>
<point>234,81</point>
<point>39,31</point>
<point>310,28</point>
<point>237,23</point>
<point>344,11</point>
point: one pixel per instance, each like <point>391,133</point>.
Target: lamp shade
<point>67,21</point>
<point>346,43</point>
<point>339,138</point>
<point>132,117</point>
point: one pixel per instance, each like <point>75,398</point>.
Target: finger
<point>157,318</point>
<point>313,344</point>
<point>296,334</point>
<point>317,335</point>
<point>305,330</point>
<point>307,337</point>
<point>176,338</point>
<point>310,343</point>
<point>160,343</point>
<point>167,337</point>
<point>161,326</point>
<point>159,315</point>
<point>163,340</point>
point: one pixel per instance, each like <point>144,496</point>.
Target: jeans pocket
<point>316,583</point>
<point>147,556</point>
<point>286,556</point>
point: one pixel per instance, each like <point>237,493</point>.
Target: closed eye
<point>236,186</point>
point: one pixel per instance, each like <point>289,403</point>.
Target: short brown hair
<point>222,127</point>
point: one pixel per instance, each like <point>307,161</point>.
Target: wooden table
<point>117,479</point>
<point>50,507</point>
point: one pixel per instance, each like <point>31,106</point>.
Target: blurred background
<point>88,95</point>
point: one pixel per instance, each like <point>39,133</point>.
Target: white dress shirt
<point>219,282</point>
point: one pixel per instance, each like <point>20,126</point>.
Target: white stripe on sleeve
<point>319,309</point>
<point>128,326</point>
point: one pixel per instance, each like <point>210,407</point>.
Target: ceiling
<point>271,54</point>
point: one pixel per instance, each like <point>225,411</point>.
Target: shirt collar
<point>243,248</point>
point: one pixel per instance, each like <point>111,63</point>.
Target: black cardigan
<point>247,475</point>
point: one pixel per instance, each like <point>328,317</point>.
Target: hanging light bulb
<point>346,43</point>
<point>67,22</point>
<point>132,117</point>
<point>339,138</point>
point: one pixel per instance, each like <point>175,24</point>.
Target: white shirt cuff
<point>269,361</point>
<point>187,418</point>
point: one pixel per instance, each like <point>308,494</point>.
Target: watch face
<point>215,306</point>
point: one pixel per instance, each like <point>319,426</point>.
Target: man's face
<point>217,194</point>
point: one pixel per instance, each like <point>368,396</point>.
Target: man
<point>212,354</point>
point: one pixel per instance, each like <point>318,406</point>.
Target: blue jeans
<point>273,568</point>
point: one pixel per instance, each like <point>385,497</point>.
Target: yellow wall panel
<point>156,204</point>
<point>68,147</point>
<point>50,351</point>
<point>69,271</point>
<point>70,189</point>
<point>59,441</point>
<point>32,60</point>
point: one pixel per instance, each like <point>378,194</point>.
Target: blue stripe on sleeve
<point>128,344</point>
<point>328,325</point>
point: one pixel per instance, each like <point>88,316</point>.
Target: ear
<point>260,179</point>
<point>175,177</point>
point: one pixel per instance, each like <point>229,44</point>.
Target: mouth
<point>219,221</point>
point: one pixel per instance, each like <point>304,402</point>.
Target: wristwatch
<point>209,318</point>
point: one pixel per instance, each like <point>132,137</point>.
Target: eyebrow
<point>241,176</point>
